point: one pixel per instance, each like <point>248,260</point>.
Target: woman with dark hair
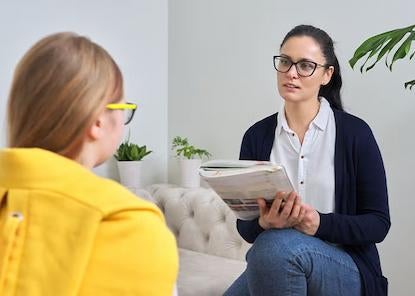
<point>320,239</point>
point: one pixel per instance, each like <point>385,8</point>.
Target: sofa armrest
<point>200,220</point>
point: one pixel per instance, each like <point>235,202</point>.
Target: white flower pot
<point>130,174</point>
<point>189,172</point>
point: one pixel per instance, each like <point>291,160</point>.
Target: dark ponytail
<point>330,91</point>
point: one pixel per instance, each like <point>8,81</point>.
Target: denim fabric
<point>286,262</point>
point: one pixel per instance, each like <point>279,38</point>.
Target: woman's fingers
<point>276,204</point>
<point>263,214</point>
<point>281,194</point>
<point>302,214</point>
<point>262,207</point>
<point>286,210</point>
<point>296,209</point>
<point>288,206</point>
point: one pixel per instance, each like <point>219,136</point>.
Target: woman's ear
<point>327,75</point>
<point>96,131</point>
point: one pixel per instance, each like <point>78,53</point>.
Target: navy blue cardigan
<point>361,216</point>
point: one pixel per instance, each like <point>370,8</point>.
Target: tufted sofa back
<point>200,220</point>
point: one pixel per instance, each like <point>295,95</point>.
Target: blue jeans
<point>286,262</point>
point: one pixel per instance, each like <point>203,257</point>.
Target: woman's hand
<point>281,214</point>
<point>310,222</point>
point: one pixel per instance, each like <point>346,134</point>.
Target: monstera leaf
<point>382,45</point>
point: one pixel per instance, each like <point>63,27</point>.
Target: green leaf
<point>403,50</point>
<point>134,152</point>
<point>372,53</point>
<point>183,148</point>
<point>393,40</point>
<point>131,152</point>
<point>386,49</point>
<point>412,55</point>
<point>366,47</point>
<point>410,84</point>
<point>384,41</point>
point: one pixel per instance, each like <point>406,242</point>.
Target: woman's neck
<point>299,115</point>
<point>87,156</point>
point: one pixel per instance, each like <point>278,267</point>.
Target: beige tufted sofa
<point>212,254</point>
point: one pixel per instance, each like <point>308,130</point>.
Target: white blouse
<point>309,166</point>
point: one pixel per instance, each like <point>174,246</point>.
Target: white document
<point>240,186</point>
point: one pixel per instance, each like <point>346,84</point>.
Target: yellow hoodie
<point>65,231</point>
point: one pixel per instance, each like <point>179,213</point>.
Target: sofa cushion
<point>206,275</point>
<point>200,220</point>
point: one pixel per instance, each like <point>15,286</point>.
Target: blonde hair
<point>59,87</point>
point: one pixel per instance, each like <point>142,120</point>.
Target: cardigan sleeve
<point>248,229</point>
<point>370,223</point>
<point>247,146</point>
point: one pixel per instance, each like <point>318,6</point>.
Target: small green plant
<point>184,149</point>
<point>131,152</point>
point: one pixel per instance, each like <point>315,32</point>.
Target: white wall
<point>134,33</point>
<point>221,80</point>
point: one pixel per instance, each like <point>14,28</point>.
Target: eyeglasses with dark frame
<point>128,108</point>
<point>304,68</point>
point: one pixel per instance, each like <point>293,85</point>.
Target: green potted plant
<point>373,49</point>
<point>190,158</point>
<point>129,161</point>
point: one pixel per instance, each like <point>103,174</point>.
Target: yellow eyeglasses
<point>128,108</point>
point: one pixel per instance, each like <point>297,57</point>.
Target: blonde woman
<point>65,231</point>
